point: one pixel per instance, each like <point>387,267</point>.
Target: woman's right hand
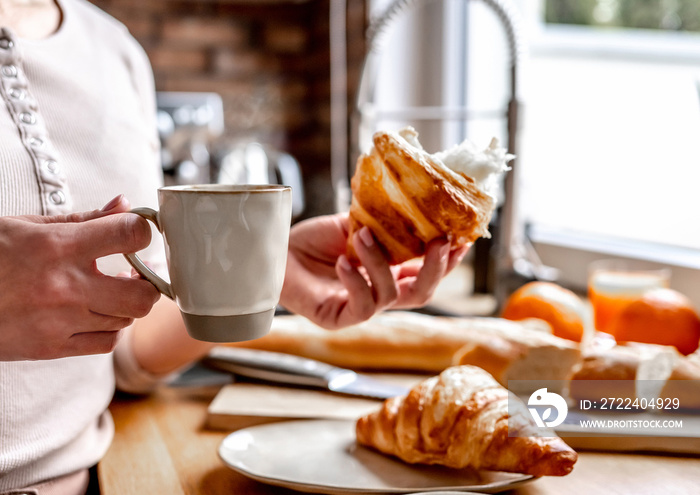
<point>54,301</point>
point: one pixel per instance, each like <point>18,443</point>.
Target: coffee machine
<point>188,124</point>
<point>194,149</point>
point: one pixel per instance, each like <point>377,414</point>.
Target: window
<point>610,141</point>
<point>664,15</point>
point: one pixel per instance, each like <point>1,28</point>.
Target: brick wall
<point>268,59</point>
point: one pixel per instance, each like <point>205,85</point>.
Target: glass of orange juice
<point>612,284</point>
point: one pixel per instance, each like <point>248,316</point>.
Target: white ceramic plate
<point>322,456</point>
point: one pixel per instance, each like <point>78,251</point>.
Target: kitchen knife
<point>295,370</point>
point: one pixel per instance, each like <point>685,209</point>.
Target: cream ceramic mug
<point>226,247</point>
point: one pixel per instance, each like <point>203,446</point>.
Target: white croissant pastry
<point>408,197</point>
<point>461,419</point>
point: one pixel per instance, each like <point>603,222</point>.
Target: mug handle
<point>133,259</point>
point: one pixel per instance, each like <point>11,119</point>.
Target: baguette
<point>511,353</point>
<point>409,341</point>
<point>392,341</point>
<point>683,385</point>
<point>625,372</point>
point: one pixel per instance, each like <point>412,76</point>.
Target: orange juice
<point>611,286</point>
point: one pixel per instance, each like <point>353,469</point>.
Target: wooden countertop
<point>162,446</point>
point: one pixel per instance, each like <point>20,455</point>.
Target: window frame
<point>572,39</point>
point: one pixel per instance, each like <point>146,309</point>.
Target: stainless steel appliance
<point>194,149</point>
<point>251,162</point>
<point>188,124</point>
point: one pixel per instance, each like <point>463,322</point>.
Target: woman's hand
<point>53,300</point>
<point>322,285</point>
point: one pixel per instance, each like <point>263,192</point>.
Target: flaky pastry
<point>460,419</point>
<point>408,197</point>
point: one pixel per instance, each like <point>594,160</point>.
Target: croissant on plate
<point>461,419</point>
<point>408,197</point>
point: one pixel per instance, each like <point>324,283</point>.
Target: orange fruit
<point>659,316</point>
<point>565,312</point>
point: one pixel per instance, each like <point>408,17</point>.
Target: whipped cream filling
<point>486,166</point>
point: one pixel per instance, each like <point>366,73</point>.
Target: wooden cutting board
<point>243,404</point>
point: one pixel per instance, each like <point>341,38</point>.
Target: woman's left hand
<point>323,286</point>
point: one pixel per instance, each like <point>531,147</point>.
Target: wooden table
<point>162,446</point>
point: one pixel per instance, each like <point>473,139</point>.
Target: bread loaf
<point>409,341</point>
<point>393,340</point>
<point>625,372</point>
<point>683,385</point>
<point>512,354</point>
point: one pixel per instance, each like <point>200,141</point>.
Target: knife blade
<point>289,369</point>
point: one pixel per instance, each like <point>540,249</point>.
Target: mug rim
<point>225,188</point>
